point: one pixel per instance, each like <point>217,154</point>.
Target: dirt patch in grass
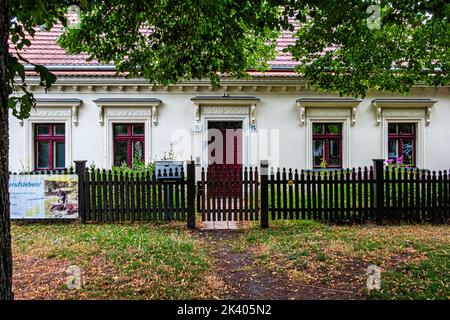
<point>45,278</point>
<point>37,278</point>
<point>244,278</point>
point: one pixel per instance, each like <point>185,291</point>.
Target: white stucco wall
<point>275,111</point>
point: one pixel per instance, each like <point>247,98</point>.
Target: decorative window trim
<point>400,137</point>
<point>422,104</point>
<point>225,105</point>
<point>50,138</point>
<point>29,136</point>
<point>418,118</point>
<point>130,137</point>
<point>326,103</point>
<point>127,116</point>
<point>344,120</point>
<point>246,147</point>
<point>135,103</point>
<point>55,108</point>
<point>326,137</point>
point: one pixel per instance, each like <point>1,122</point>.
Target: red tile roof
<point>44,50</point>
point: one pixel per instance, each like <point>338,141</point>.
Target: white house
<point>93,114</point>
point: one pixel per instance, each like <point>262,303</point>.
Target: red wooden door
<point>225,158</point>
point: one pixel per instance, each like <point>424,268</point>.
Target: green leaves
<point>339,52</point>
<point>47,78</point>
<point>167,41</point>
<point>27,16</point>
<point>171,41</point>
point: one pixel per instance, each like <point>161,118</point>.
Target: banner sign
<point>40,196</point>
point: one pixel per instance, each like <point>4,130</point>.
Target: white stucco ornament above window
<point>404,104</point>
<point>225,105</point>
<point>130,106</point>
<point>325,103</point>
<point>55,107</point>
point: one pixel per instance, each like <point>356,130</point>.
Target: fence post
<point>190,174</point>
<point>264,193</point>
<point>80,167</point>
<point>379,188</point>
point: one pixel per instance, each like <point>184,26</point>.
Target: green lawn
<point>166,261</point>
<point>117,261</point>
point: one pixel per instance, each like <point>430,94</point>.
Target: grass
<point>166,261</point>
<point>414,259</point>
<point>117,261</point>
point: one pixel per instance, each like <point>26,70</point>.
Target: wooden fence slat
<point>183,193</point>
<point>354,184</point>
<point>127,197</point>
<point>314,199</point>
<point>237,200</point>
<point>99,196</point>
<point>347,196</point>
<point>342,195</point>
<point>328,195</point>
<point>122,195</point>
<point>256,193</point>
<point>434,196</point>
<point>360,210</point>
<point>371,193</point>
<point>245,204</point>
<point>205,203</point>
<point>272,202</point>
<point>87,194</point>
<point>445,195</point>
<point>154,211</point>
<point>308,194</point>
<point>284,194</point>
<point>366,194</point>
<point>110,191</point>
<point>160,197</point>
<point>417,195</point>
<point>296,195</point>
<point>290,194</point>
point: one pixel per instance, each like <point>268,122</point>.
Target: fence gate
<point>226,194</point>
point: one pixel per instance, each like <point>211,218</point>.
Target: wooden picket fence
<point>228,194</point>
<point>109,196</point>
<point>357,195</point>
<point>416,195</point>
<point>337,196</point>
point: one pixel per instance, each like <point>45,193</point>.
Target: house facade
<point>93,114</point>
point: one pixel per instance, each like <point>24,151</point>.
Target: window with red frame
<point>49,146</point>
<point>128,143</point>
<point>327,145</point>
<point>402,143</point>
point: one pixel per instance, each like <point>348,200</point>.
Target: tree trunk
<point>5,229</point>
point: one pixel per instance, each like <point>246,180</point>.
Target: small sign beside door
<point>197,127</point>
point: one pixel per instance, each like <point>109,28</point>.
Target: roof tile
<point>44,50</point>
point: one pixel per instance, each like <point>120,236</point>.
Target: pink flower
<point>400,160</point>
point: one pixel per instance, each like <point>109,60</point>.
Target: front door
<point>225,157</point>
